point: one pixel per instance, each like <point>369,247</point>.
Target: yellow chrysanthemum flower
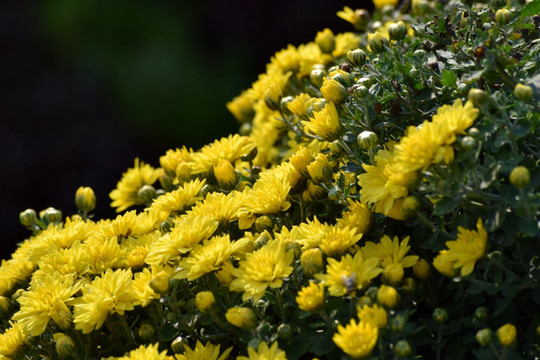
<point>231,148</point>
<point>338,240</point>
<point>144,352</point>
<point>242,317</point>
<point>311,233</point>
<point>468,248</point>
<point>357,217</point>
<point>263,268</point>
<point>208,256</point>
<point>107,294</point>
<point>392,256</point>
<point>72,261</point>
<point>324,123</point>
<point>382,3</point>
<point>356,340</point>
<point>241,107</point>
<point>374,315</point>
<point>456,117</point>
<point>286,60</point>
<point>104,254</point>
<point>310,298</point>
<point>11,340</point>
<point>44,301</point>
<point>207,352</point>
<point>345,42</point>
<point>444,264</point>
<point>349,274</point>
<point>179,199</point>
<point>310,54</point>
<point>125,194</point>
<point>125,225</point>
<point>13,271</point>
<point>222,207</point>
<point>265,353</point>
<point>173,158</point>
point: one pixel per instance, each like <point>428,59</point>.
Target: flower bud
<point>285,331</point>
<point>409,285</point>
<point>387,296</point>
<point>264,223</point>
<point>484,336</point>
<point>481,313</point>
<point>364,300</point>
<point>178,345</point>
<point>204,300</point>
<point>497,4</point>
<point>166,226</point>
<point>225,174</point>
<point>146,332</point>
<point>377,42</point>
<point>520,177</point>
<point>312,261</point>
<point>301,159</point>
<point>50,215</point>
<point>468,143</point>
<point>242,317</point>
<point>245,129</point>
<point>440,315</point>
<point>320,169</point>
<point>506,334</point>
<point>64,345</point>
<point>421,269</point>
<point>402,348</point>
<point>6,306</point>
<point>16,295</point>
<point>477,96</point>
<point>361,19</point>
<point>503,16</point>
<point>284,104</point>
<point>523,92</point>
<point>313,192</point>
<point>393,273</point>
<point>360,91</point>
<point>317,77</point>
<point>326,41</point>
<point>28,217</point>
<point>397,31</point>
<point>146,194</point>
<point>333,91</point>
<point>367,140</point>
<point>85,199</point>
<point>261,240</point>
<point>397,323</point>
<point>410,206</point>
<point>272,97</point>
<point>356,57</point>
<point>160,282</point>
<point>420,7</point>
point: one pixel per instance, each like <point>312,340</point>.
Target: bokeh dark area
<point>87,86</point>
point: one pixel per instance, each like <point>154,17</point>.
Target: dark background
<point>87,86</point>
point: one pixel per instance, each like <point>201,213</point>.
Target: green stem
<point>281,305</point>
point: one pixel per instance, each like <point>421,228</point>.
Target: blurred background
<point>87,86</point>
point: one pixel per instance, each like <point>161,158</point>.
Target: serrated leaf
<point>531,9</point>
<point>449,78</point>
<point>446,205</point>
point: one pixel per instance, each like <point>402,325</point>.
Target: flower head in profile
<point>179,199</point>
<point>324,123</point>
<point>11,340</point>
<point>338,240</point>
<point>144,352</point>
<point>356,339</point>
<point>374,315</point>
<point>379,4</point>
<point>349,274</point>
<point>263,268</point>
<point>265,353</point>
<point>468,248</point>
<point>125,194</point>
<point>200,351</point>
<point>310,298</point>
<point>231,148</point>
<point>357,217</point>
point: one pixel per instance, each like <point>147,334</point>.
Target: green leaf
<point>531,9</point>
<point>529,226</point>
<point>168,333</point>
<point>449,78</point>
<point>446,205</point>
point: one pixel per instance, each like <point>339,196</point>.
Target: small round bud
<point>146,332</point>
<point>506,334</point>
<point>402,348</point>
<point>397,31</point>
<point>334,91</point>
<point>481,313</point>
<point>440,315</point>
<point>245,129</point>
<point>326,41</point>
<point>334,193</point>
<point>50,215</point>
<point>166,226</point>
<point>364,300</point>
<point>28,217</point>
<point>503,16</point>
<point>272,97</point>
<point>225,174</point>
<point>178,345</point>
<point>285,331</point>
<point>387,296</point>
<point>284,104</point>
<point>343,78</point>
<point>264,223</point>
<point>420,53</point>
<point>409,285</point>
<point>477,96</point>
<point>366,81</point>
<point>204,300</point>
<point>421,269</point>
<point>242,317</point>
<point>410,206</point>
<point>360,91</point>
<point>367,140</point>
<point>320,169</point>
<point>523,92</point>
<point>372,292</point>
<point>361,19</point>
<point>520,177</point>
<point>468,143</point>
<point>356,57</point>
<point>64,345</point>
<point>16,295</point>
<point>377,42</point>
<point>397,323</point>
<point>497,4</point>
<point>312,261</point>
<point>484,336</point>
<point>317,77</point>
<point>393,274</point>
<point>85,199</point>
<point>261,240</point>
<point>6,306</point>
<point>146,194</point>
<point>160,282</point>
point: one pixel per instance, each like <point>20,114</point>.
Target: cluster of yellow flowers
<point>248,218</point>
